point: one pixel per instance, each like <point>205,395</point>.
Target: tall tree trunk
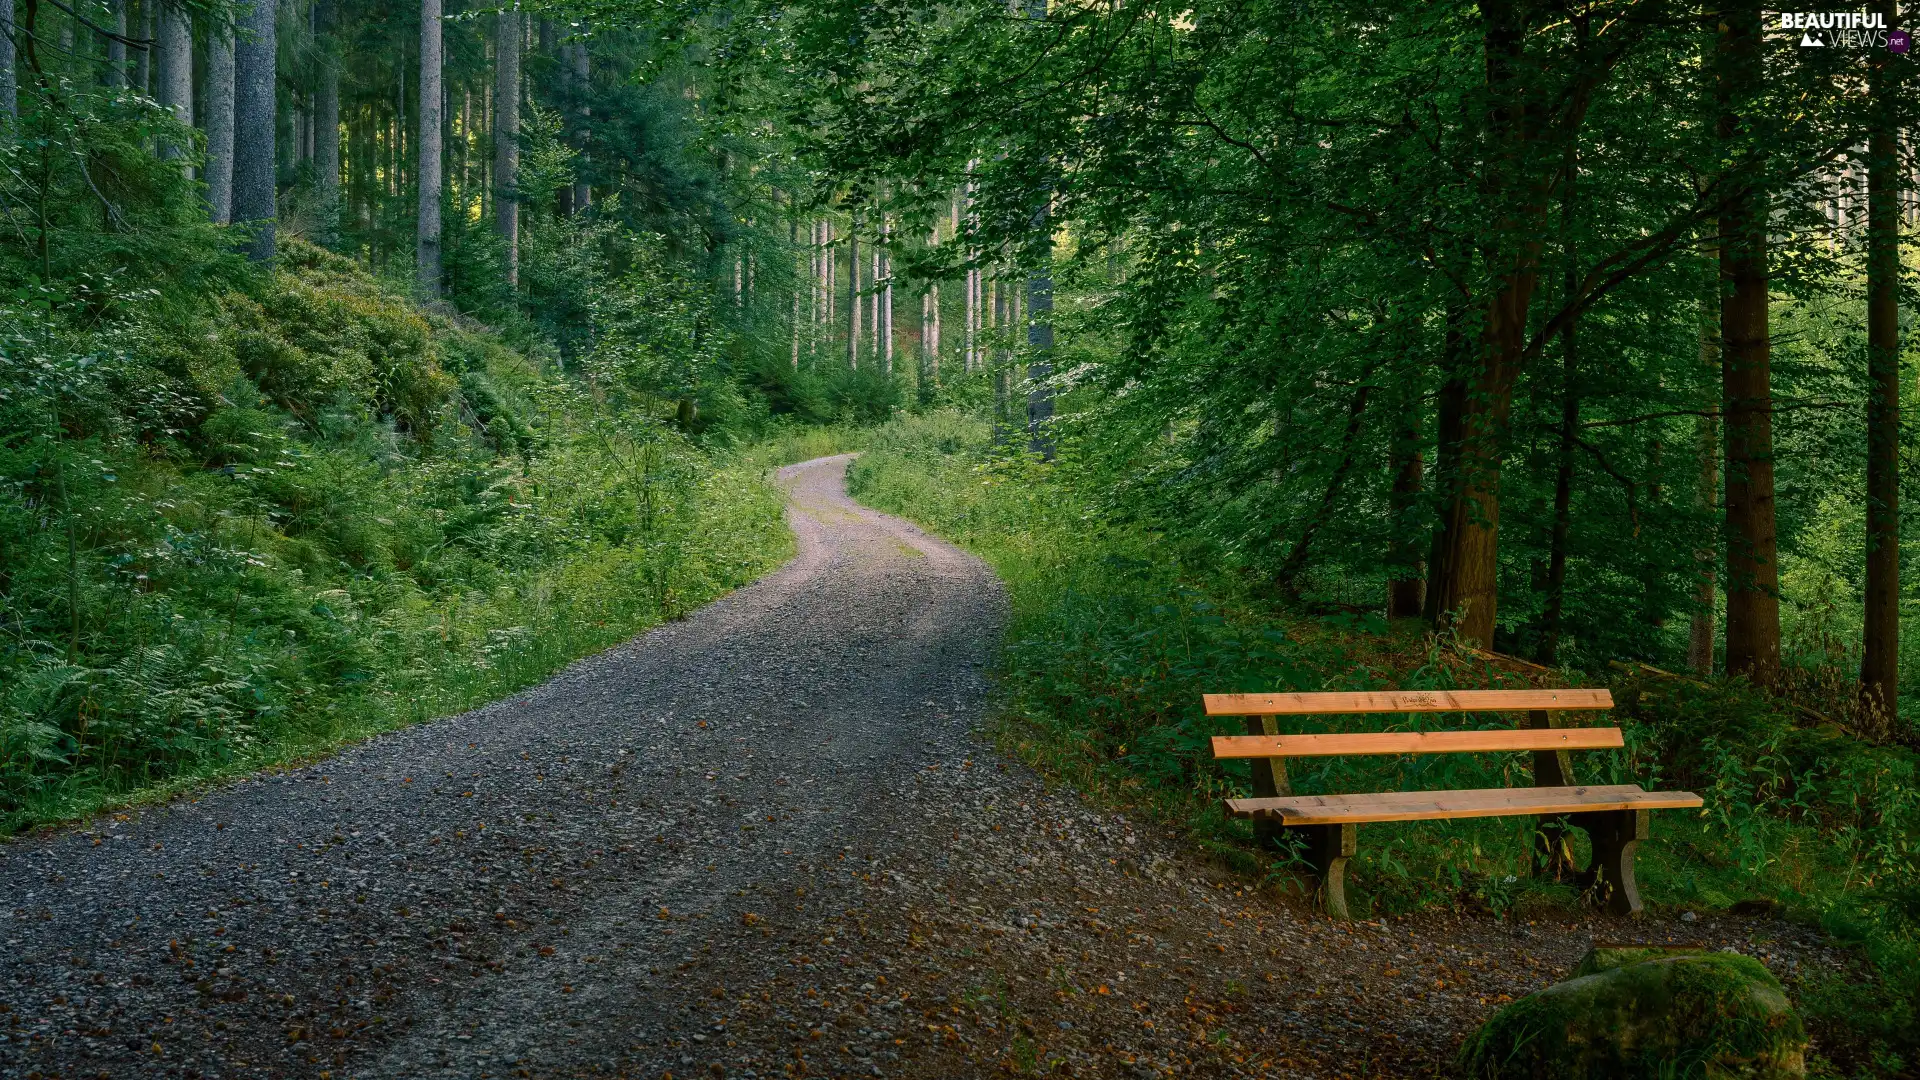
<point>885,325</point>
<point>923,374</point>
<point>219,120</point>
<point>1880,657</point>
<point>1451,408</point>
<point>853,295</point>
<point>9,64</point>
<point>143,64</point>
<point>1473,525</point>
<point>326,109</point>
<point>254,160</point>
<point>581,67</point>
<point>176,67</point>
<point>115,75</point>
<point>427,237</point>
<point>817,290</point>
<point>506,136</point>
<point>1039,311</point>
<point>1406,589</point>
<point>1002,377</point>
<point>1549,646</point>
<point>1753,574</point>
<point>793,246</point>
<point>1702,629</point>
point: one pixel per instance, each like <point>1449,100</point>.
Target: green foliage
<point>329,513</point>
<point>1120,620</point>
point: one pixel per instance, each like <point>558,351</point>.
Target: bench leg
<point>1327,849</point>
<point>1615,835</point>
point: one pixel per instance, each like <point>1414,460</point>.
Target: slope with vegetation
<point>311,510</point>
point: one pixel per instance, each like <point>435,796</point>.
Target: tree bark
<point>1702,629</point>
<point>326,108</point>
<point>1880,656</point>
<point>1753,575</point>
<point>1549,646</point>
<point>427,236</point>
<point>1406,589</point>
<point>506,136</point>
<point>115,75</point>
<point>1473,518</point>
<point>1040,310</point>
<point>581,67</point>
<point>143,64</point>
<point>1002,380</point>
<point>1450,408</point>
<point>885,326</point>
<point>9,64</point>
<point>219,121</point>
<point>853,296</point>
<point>176,68</point>
<point>254,160</point>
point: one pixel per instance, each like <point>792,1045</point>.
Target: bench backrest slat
<point>1405,701</point>
<point>1416,742</point>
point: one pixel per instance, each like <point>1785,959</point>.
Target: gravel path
<point>760,842</point>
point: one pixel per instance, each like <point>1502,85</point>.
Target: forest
<point>364,363</point>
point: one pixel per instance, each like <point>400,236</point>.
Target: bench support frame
<point>1326,848</point>
<point>1616,835</point>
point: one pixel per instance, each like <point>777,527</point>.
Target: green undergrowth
<point>326,514</point>
<point>1118,627</point>
<point>793,443</point>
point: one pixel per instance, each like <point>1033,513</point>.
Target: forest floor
<point>767,840</point>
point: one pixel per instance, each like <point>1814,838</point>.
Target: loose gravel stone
<point>760,842</point>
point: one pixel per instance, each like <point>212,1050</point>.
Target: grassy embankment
<point>359,515</point>
<point>1118,627</point>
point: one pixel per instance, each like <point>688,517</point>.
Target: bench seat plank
<point>1416,742</point>
<point>1405,701</point>
<point>1436,805</point>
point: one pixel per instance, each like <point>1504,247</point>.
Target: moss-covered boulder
<point>1716,1016</point>
<point>1607,957</point>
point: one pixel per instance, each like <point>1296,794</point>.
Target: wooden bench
<point>1613,816</point>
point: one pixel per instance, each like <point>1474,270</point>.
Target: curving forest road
<point>759,842</point>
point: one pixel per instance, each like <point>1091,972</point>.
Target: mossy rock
<point>1716,1016</point>
<point>1607,957</point>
